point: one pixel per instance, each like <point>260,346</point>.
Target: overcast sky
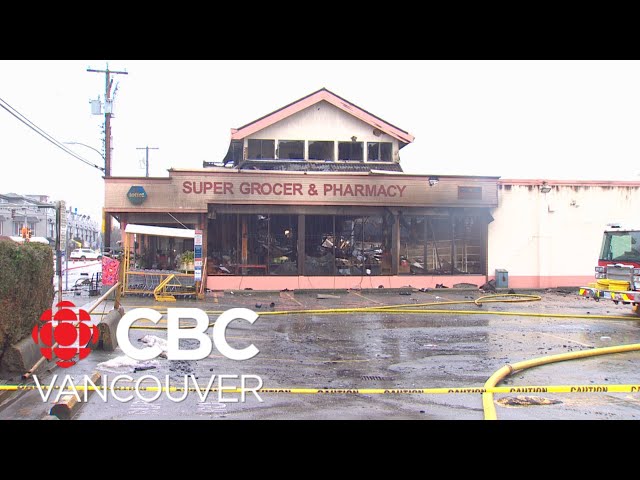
<point>513,119</point>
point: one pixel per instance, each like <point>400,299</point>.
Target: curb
<point>107,328</point>
<point>20,357</point>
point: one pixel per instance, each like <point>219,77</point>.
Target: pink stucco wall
<point>225,282</point>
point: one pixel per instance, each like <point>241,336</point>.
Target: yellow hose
<point>487,398</point>
<point>410,308</point>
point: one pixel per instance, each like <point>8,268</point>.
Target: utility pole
<point>107,139</point>
<point>147,148</point>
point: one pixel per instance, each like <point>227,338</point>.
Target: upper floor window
<point>261,149</point>
<point>291,149</point>
<point>379,151</point>
<point>321,150</point>
<point>350,151</point>
<point>17,228</point>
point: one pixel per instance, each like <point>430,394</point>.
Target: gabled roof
<point>312,99</point>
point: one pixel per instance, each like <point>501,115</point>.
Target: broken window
<point>468,256</point>
<point>320,150</point>
<point>362,245</point>
<point>439,245</point>
<point>319,254</point>
<point>347,245</point>
<point>350,151</point>
<point>413,230</point>
<point>379,151</point>
<point>253,244</point>
<point>291,149</point>
<point>222,246</point>
<point>261,149</point>
<point>282,245</point>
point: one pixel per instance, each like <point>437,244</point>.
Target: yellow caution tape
<point>363,391</point>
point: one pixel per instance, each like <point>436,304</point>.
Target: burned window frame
<point>263,141</point>
<point>378,148</point>
<point>351,145</point>
<point>327,143</point>
<point>283,144</point>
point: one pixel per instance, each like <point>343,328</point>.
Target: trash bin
<point>502,278</point>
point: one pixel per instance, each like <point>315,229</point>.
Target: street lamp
<point>104,225</point>
<point>88,146</point>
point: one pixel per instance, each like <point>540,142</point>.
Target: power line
<point>44,134</point>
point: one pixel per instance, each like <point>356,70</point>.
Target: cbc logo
<point>71,332</point>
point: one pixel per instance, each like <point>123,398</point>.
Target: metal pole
<point>107,142</point>
<point>147,148</point>
<point>59,251</point>
<point>66,261</point>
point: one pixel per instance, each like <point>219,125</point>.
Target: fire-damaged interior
<point>271,244</point>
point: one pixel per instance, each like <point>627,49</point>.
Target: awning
<point>160,231</point>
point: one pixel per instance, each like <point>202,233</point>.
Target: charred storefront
<point>304,230</point>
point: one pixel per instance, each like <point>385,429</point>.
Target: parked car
<point>113,252</point>
<point>85,254</point>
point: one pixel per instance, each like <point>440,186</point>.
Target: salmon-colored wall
<point>532,281</point>
<point>225,282</point>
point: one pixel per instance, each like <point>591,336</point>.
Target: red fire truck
<point>618,270</point>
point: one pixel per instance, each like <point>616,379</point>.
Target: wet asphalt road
<point>382,350</point>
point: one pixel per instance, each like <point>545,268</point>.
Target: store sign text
<point>294,189</point>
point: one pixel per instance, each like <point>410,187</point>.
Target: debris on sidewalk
<point>326,296</point>
<point>525,401</point>
<point>465,285</point>
<point>143,368</point>
<point>490,286</point>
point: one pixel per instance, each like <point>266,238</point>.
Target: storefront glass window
<point>468,252</point>
<point>253,244</point>
<point>413,229</point>
<point>362,245</point>
<point>319,254</point>
<point>435,245</point>
<point>283,245</point>
<point>347,245</point>
<point>222,248</point>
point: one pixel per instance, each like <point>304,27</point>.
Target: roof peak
<point>313,98</point>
